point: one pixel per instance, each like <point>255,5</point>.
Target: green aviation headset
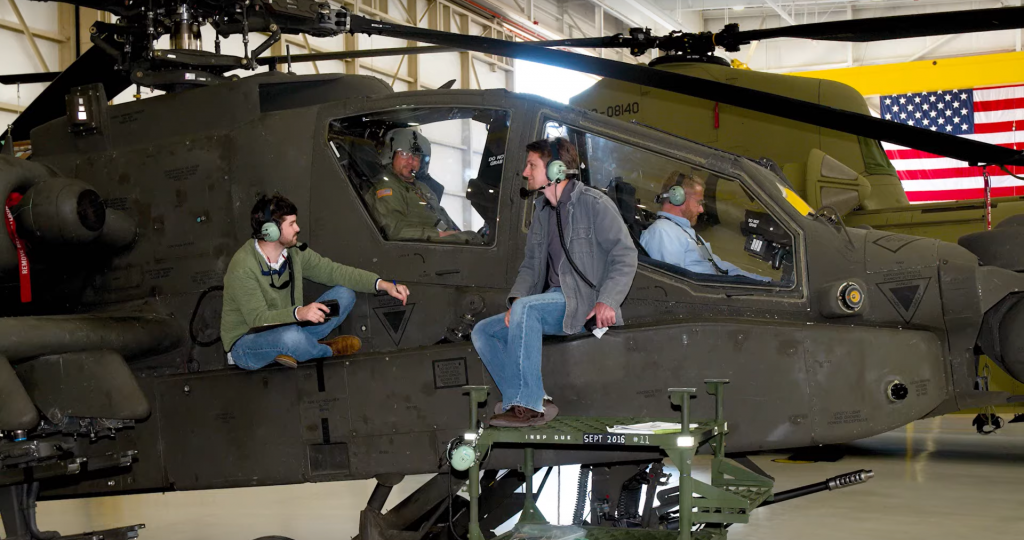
<point>557,170</point>
<point>269,231</point>
<point>675,195</point>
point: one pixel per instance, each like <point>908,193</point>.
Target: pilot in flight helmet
<point>408,140</point>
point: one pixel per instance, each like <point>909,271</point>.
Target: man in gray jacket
<point>579,263</point>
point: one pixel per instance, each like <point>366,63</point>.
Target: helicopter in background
<point>131,212</point>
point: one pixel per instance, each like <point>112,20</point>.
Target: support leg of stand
<point>531,514</point>
<point>683,460</point>
<point>474,503</point>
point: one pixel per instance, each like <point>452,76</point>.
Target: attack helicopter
<point>114,383</point>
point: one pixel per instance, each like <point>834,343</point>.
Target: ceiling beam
<point>930,48</point>
<point>28,35</point>
<point>774,5</point>
<point>41,34</point>
<point>658,15</point>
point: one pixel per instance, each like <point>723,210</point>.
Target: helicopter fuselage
<point>804,369</point>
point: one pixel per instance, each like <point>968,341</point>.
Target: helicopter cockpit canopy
<point>633,178</point>
<point>466,162</point>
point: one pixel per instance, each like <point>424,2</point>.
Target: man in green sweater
<point>261,321</point>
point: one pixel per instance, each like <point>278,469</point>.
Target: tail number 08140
<point>620,110</point>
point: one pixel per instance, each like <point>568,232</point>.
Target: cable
<point>561,238</point>
<point>839,218</point>
<point>192,320</point>
<point>451,525</point>
<point>1007,171</point>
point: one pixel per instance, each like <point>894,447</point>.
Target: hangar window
<point>426,174</point>
<point>718,234</point>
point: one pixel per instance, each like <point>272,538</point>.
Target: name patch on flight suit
<point>383,192</point>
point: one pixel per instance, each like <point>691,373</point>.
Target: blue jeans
<point>512,353</point>
<point>257,349</point>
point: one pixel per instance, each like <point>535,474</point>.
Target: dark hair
<point>566,151</point>
<point>278,206</point>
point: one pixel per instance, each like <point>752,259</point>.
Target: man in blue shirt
<point>672,239</point>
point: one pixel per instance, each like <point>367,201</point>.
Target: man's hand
<point>315,313</point>
<point>442,234</point>
<point>604,313</point>
<point>398,291</point>
<point>509,313</point>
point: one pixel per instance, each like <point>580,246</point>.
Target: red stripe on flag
<point>998,127</point>
<point>918,154</point>
<point>954,172</point>
<point>998,105</point>
<point>998,86</point>
<point>963,194</point>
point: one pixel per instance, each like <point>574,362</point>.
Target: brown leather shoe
<point>343,345</point>
<point>518,417</point>
<point>286,361</point>
<point>550,409</point>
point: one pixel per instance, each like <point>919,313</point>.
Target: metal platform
<point>734,491</point>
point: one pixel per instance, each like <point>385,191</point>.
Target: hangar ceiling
<point>41,36</point>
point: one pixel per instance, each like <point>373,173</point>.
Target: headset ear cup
<point>677,195</point>
<point>556,171</point>
<point>270,232</point>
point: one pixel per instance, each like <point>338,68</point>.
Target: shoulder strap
<point>700,242</point>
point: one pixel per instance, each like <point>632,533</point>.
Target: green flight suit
<point>411,211</point>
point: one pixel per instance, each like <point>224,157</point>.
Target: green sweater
<point>250,301</point>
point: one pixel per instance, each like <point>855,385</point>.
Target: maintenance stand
<point>733,493</point>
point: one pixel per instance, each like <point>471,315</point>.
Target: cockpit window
<point>426,174</point>
<point>875,160</point>
<point>687,221</point>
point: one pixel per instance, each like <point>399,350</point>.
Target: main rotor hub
<point>185,33</point>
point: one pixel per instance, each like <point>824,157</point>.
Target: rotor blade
<point>764,102</point>
<point>585,43</point>
<point>94,66</point>
<point>349,55</point>
<point>898,27</point>
<point>29,78</point>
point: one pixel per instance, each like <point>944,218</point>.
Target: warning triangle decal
<point>395,319</point>
<point>905,295</point>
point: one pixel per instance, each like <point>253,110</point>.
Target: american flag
<point>992,115</point>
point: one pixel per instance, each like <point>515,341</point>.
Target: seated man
<point>553,294</point>
<point>259,319</point>
<point>402,205</point>
<point>671,237</point>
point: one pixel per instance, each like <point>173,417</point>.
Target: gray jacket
<point>600,245</point>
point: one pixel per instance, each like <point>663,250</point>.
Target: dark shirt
<point>555,252</point>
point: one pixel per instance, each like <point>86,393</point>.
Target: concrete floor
<point>935,479</point>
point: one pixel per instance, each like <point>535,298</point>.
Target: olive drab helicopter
<point>126,215</point>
